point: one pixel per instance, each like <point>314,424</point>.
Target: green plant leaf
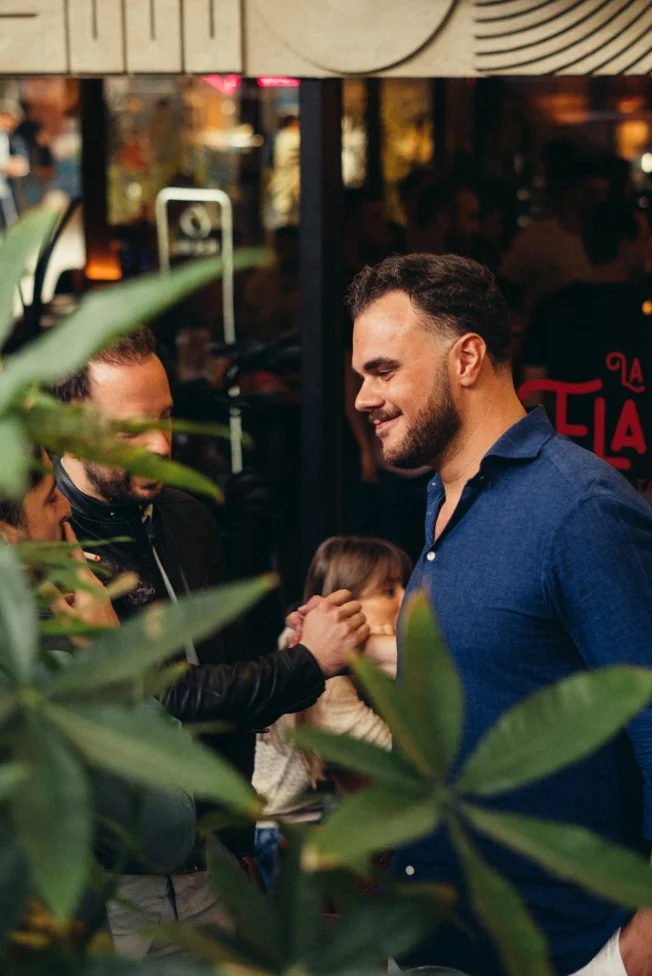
<point>149,748</point>
<point>14,881</point>
<point>430,686</point>
<point>154,635</point>
<point>22,243</point>
<point>378,928</point>
<point>82,431</point>
<point>358,755</point>
<point>502,912</point>
<point>298,903</point>
<point>52,819</point>
<point>18,624</point>
<point>11,775</point>
<point>386,700</point>
<point>102,317</point>
<point>16,457</point>
<point>114,966</point>
<point>555,727</point>
<point>374,820</point>
<point>248,907</point>
<point>215,947</point>
<point>572,853</point>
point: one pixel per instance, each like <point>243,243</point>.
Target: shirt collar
<point>524,441</point>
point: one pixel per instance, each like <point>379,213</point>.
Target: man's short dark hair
<point>12,510</point>
<point>455,295</point>
<point>128,351</point>
<point>606,227</point>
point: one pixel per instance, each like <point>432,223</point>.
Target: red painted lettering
<point>599,436</point>
<point>629,432</point>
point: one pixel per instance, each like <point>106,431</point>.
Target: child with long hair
<point>376,573</point>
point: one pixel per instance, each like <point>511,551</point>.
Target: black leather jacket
<point>225,686</point>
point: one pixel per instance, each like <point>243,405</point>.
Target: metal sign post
<point>199,226</point>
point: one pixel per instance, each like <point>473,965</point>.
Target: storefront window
<point>39,121</point>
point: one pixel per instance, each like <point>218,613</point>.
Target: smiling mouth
<point>383,425</point>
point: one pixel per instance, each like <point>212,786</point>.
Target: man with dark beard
<point>173,544</point>
<point>538,563</point>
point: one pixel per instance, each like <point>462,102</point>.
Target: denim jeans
<point>267,844</point>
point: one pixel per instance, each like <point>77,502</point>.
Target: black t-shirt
<point>595,342</point>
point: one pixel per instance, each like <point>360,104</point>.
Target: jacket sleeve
<point>249,694</point>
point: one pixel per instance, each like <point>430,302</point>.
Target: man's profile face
<point>44,511</point>
<point>406,389</point>
<point>131,392</point>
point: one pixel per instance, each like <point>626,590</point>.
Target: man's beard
<point>432,432</point>
<point>118,487</point>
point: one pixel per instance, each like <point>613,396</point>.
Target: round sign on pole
<point>359,37</point>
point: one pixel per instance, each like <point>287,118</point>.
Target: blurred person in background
<point>367,235</point>
<point>14,158</point>
<point>161,822</point>
<point>284,185</point>
<point>376,573</point>
<point>37,140</point>
<point>596,336</point>
<point>549,254</point>
<point>271,296</point>
<point>445,219</point>
<point>174,547</point>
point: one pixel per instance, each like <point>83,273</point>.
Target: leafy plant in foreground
<point>414,790</point>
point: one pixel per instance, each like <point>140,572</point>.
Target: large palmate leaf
<point>247,906</point>
<point>15,451</point>
<point>357,755</point>
<point>18,625</point>
<point>374,930</point>
<point>127,967</point>
<point>430,687</point>
<point>101,317</point>
<point>51,813</point>
<point>150,749</point>
<point>555,727</point>
<point>572,853</point>
<point>11,775</point>
<point>22,243</point>
<point>298,904</point>
<point>394,710</point>
<point>14,880</point>
<point>377,819</point>
<point>503,913</point>
<point>154,635</point>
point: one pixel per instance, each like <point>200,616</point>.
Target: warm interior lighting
<point>646,162</point>
<point>104,268</point>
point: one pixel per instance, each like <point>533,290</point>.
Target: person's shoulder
<point>576,475</point>
<point>174,503</point>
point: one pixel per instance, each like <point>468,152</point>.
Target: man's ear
<point>471,353</point>
<point>9,534</point>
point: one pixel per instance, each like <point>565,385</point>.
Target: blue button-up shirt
<point>544,569</point>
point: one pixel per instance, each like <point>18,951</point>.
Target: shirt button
<point>430,556</point>
<point>409,870</point>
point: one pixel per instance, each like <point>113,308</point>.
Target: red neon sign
<point>225,84</point>
<point>277,81</point>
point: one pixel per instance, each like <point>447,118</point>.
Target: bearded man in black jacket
<point>174,548</point>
